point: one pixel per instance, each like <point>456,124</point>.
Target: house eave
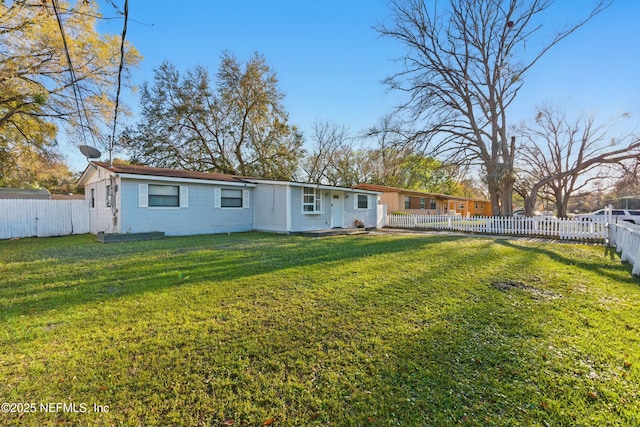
<point>319,186</point>
<point>184,180</point>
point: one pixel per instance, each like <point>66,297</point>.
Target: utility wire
<point>74,81</point>
<point>120,68</point>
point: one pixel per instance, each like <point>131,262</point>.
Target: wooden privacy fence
<point>42,218</point>
<point>626,239</point>
<point>565,229</point>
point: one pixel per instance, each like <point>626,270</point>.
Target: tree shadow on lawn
<point>102,272</point>
<point>485,358</point>
<point>419,348</point>
<point>603,267</point>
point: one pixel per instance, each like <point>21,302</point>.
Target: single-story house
<point>140,199</point>
<point>420,202</point>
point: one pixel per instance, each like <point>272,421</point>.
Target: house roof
<point>385,189</point>
<point>184,174</point>
<point>173,173</point>
<point>19,193</point>
<point>67,196</point>
<point>161,172</point>
<point>314,185</point>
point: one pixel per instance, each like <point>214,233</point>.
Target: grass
<point>260,329</point>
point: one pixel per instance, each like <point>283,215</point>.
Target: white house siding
<point>199,216</point>
<point>270,208</point>
<point>368,216</point>
<point>301,221</point>
<point>101,216</point>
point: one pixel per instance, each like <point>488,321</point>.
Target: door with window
<point>336,210</point>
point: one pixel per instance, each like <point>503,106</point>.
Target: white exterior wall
<point>199,216</point>
<point>270,208</point>
<point>102,218</point>
<point>368,216</point>
<point>301,221</point>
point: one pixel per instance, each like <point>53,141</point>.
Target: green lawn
<point>261,329</point>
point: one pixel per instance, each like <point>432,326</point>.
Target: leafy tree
<point>464,66</point>
<point>36,94</point>
<point>561,157</point>
<point>240,126</point>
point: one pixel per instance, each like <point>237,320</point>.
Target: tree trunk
<point>507,197</point>
<point>561,205</point>
<point>530,201</point>
<point>494,196</point>
<point>530,204</point>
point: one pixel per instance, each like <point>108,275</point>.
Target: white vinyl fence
<point>626,239</point>
<point>42,218</point>
<point>565,229</point>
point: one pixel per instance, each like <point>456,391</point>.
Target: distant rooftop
<point>20,193</point>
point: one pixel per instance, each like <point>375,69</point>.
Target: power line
<point>120,68</point>
<point>74,81</point>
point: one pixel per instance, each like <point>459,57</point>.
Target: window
<point>407,202</point>
<point>92,200</point>
<point>164,195</point>
<point>423,203</point>
<point>108,198</point>
<point>362,201</point>
<point>311,200</point>
<point>231,198</point>
<point>461,206</point>
<point>432,204</point>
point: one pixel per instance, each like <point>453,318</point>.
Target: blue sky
<point>330,61</point>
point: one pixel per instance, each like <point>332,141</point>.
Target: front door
<point>336,210</point>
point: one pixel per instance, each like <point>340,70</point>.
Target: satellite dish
<point>90,152</point>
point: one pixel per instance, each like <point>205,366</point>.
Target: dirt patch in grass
<point>509,285</point>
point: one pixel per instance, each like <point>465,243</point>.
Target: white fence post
<point>625,236</point>
<point>561,228</point>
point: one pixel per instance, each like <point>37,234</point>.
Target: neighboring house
<point>136,199</point>
<point>420,202</point>
<point>19,193</point>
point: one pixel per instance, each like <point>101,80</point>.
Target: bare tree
<point>330,140</point>
<point>626,188</point>
<point>560,157</point>
<point>463,68</point>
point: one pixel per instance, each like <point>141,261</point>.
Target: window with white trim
<point>311,200</point>
<point>362,201</point>
<point>164,196</point>
<point>432,204</point>
<point>230,198</point>
<point>423,203</point>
